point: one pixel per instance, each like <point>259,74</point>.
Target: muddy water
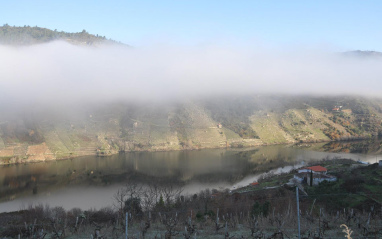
<point>90,182</point>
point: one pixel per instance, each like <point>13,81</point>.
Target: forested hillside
<point>27,35</point>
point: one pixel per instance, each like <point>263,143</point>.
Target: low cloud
<point>62,73</point>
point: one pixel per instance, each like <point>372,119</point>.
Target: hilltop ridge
<point>365,54</point>
<point>27,35</point>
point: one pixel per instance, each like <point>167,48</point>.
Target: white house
<point>319,175</point>
<point>315,169</point>
<point>318,178</point>
<point>300,177</point>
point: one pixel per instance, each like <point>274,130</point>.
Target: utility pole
<point>298,213</point>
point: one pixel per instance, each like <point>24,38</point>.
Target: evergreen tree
<point>133,206</point>
<point>311,178</point>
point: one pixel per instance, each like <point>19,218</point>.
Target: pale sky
<point>342,25</point>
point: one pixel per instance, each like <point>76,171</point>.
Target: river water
<point>90,182</point>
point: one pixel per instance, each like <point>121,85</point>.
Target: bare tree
<point>145,225</point>
<point>170,223</point>
<point>150,196</point>
<point>132,192</point>
<point>205,196</point>
<point>253,225</point>
<point>189,228</point>
<point>218,226</point>
<point>58,222</point>
<point>170,192</point>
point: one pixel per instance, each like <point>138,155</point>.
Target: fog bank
<point>62,73</point>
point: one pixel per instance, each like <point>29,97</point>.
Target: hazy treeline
<point>27,35</point>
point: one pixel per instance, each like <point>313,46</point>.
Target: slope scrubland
<point>48,134</point>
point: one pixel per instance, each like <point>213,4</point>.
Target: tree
<point>171,192</point>
<point>258,209</point>
<point>311,178</point>
<point>266,208</point>
<point>160,203</point>
<point>133,206</point>
<point>125,199</point>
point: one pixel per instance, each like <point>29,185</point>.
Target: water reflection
<point>194,169</point>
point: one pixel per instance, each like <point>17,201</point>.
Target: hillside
<point>364,54</point>
<point>49,134</point>
<point>359,182</point>
<point>27,35</point>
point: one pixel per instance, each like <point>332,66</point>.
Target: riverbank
<point>50,181</point>
<point>42,153</point>
<point>57,133</point>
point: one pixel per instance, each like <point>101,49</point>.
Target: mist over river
<point>90,182</point>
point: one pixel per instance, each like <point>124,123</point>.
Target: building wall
<point>318,180</point>
<point>308,171</point>
<point>300,179</point>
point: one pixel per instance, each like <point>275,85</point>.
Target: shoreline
<point>15,160</point>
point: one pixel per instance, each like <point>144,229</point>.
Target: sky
<point>342,25</point>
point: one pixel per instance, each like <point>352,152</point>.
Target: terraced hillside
<point>31,136</point>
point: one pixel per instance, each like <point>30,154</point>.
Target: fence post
<point>127,222</point>
<point>217,216</point>
<point>298,213</point>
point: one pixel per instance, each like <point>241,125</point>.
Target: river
<point>90,182</point>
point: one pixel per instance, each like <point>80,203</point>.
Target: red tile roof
<point>254,184</point>
<point>317,168</point>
